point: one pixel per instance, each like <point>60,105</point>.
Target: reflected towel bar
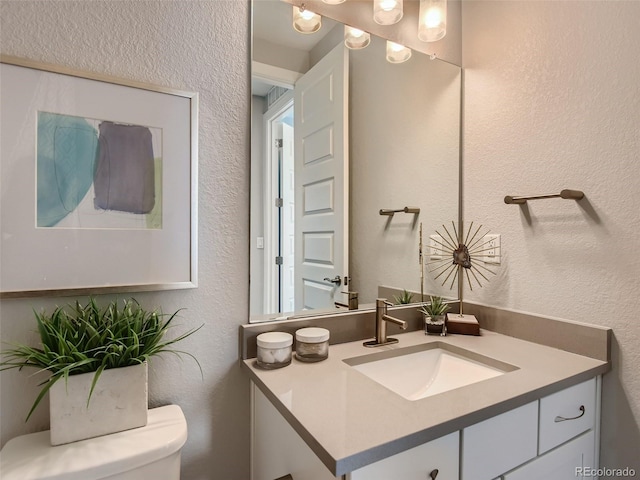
<point>566,194</point>
<point>390,213</point>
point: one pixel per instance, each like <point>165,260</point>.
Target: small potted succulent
<point>434,314</point>
<point>405,298</point>
<point>95,360</point>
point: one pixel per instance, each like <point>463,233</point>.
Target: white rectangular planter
<point>119,402</point>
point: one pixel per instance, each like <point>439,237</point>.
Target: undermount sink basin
<point>424,370</point>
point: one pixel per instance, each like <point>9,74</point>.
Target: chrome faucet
<point>381,325</point>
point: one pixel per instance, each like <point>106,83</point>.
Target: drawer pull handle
<point>286,477</point>
<point>434,474</point>
<point>564,419</point>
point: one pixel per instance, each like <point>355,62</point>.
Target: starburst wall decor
<point>463,259</point>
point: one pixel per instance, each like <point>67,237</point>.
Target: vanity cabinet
<point>277,450</point>
<point>566,414</point>
<point>564,463</point>
<point>567,435</point>
<point>501,443</point>
<point>554,438</point>
<point>437,459</point>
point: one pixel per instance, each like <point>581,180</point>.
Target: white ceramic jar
<point>312,344</point>
<point>274,350</point>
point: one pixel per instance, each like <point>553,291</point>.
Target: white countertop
<point>350,421</point>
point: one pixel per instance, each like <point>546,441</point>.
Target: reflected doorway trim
<point>271,232</point>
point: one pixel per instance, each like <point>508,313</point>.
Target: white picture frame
<point>77,257</point>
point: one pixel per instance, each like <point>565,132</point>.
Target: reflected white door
<point>322,180</point>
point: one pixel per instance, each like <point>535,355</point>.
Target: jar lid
<point>275,339</point>
<point>312,335</point>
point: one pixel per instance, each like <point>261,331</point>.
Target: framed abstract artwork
<point>98,180</point>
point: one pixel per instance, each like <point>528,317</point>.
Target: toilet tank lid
<point>32,456</point>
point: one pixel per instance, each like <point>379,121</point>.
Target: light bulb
<point>306,21</point>
<point>387,12</point>
<point>307,14</point>
<point>433,18</point>
<point>397,53</point>
<point>432,24</point>
<point>388,5</point>
<point>355,38</point>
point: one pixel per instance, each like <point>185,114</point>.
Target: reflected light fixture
<point>432,23</point>
<point>387,12</point>
<point>397,53</point>
<point>355,38</point>
<point>333,2</point>
<point>306,21</point>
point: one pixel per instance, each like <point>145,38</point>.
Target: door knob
<point>434,474</point>
<point>337,280</point>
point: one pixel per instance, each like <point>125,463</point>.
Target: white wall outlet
<point>435,247</point>
<point>492,250</point>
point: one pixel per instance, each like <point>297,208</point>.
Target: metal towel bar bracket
<point>389,212</point>
<point>566,194</point>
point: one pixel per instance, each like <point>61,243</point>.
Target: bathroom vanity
<point>538,417</point>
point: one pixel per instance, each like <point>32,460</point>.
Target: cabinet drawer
<point>499,444</point>
<point>562,416</point>
<point>417,463</point>
<point>569,462</point>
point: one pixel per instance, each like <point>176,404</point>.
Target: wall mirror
<point>337,136</point>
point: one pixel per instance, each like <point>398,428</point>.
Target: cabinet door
<point>436,459</point>
<point>499,444</point>
<point>277,450</point>
<point>568,462</point>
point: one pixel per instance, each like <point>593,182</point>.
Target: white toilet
<point>143,453</point>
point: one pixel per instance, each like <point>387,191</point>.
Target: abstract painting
<point>97,174</point>
<point>98,183</point>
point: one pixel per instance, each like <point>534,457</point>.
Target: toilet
<point>152,451</point>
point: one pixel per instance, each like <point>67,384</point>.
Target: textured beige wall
<point>404,151</point>
<point>552,101</point>
<point>200,46</point>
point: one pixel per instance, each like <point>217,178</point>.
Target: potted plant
<point>96,359</point>
<point>434,315</point>
<point>404,299</point>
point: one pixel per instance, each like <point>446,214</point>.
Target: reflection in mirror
<point>322,167</point>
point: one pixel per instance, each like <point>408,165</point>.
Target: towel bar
<point>389,212</point>
<point>566,194</point>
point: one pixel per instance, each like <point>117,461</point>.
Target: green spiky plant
<point>435,307</point>
<point>93,339</point>
<point>405,298</point>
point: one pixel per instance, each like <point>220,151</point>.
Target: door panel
<point>318,247</point>
<point>322,180</point>
<point>317,294</point>
<point>318,145</point>
<point>318,197</point>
